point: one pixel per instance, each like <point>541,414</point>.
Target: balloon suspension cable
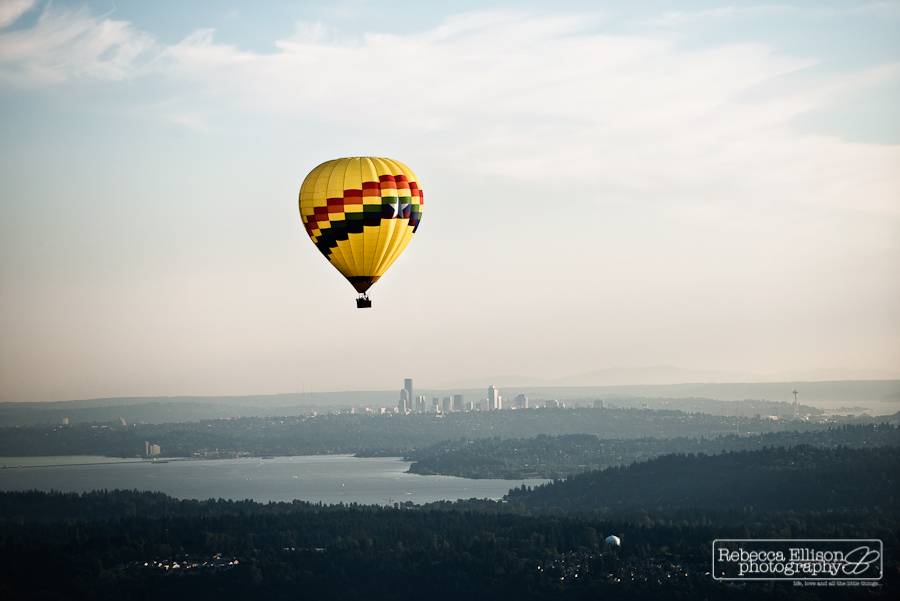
<point>363,302</point>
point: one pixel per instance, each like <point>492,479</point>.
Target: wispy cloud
<point>681,18</point>
<point>12,10</point>
<point>69,44</point>
<point>531,96</point>
<point>528,94</point>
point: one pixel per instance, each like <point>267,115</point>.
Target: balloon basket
<point>363,302</point>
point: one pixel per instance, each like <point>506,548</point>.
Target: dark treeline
<point>95,545</point>
<point>800,478</point>
<point>377,553</point>
<point>377,434</point>
<point>559,456</point>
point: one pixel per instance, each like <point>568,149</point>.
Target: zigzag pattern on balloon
<point>393,197</point>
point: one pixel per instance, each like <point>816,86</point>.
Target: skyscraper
<point>459,402</point>
<point>408,387</point>
<point>405,404</point>
<point>494,400</point>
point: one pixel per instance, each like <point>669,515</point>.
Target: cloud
<point>531,97</point>
<point>679,18</point>
<point>64,45</point>
<point>522,96</point>
<point>11,10</point>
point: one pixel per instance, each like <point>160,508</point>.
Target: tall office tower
<point>436,404</point>
<point>420,403</point>
<point>520,402</point>
<point>408,387</point>
<point>404,405</point>
<point>446,406</point>
<point>598,404</point>
<point>459,402</point>
<point>494,400</point>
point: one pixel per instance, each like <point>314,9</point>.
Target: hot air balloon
<point>361,212</point>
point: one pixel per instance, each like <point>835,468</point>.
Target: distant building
<point>551,404</point>
<point>408,387</point>
<point>404,405</point>
<point>470,406</point>
<point>447,404</point>
<point>420,403</point>
<point>65,421</point>
<point>494,400</point>
<point>459,402</point>
<point>598,404</point>
<point>122,422</point>
<point>151,450</point>
<point>520,402</point>
<point>436,404</point>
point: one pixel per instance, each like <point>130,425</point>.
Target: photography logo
<point>797,559</point>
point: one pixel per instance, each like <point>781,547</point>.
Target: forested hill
<point>128,545</point>
<point>560,456</point>
<point>775,479</point>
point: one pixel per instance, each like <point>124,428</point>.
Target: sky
<point>704,185</point>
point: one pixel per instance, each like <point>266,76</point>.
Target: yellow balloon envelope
<point>361,212</point>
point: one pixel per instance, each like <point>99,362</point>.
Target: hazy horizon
<point>622,190</point>
<point>623,377</point>
<point>814,391</point>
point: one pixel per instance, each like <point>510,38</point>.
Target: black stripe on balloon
<point>355,223</point>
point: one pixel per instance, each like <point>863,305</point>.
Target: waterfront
<point>316,478</point>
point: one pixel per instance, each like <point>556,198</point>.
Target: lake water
<point>325,478</point>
